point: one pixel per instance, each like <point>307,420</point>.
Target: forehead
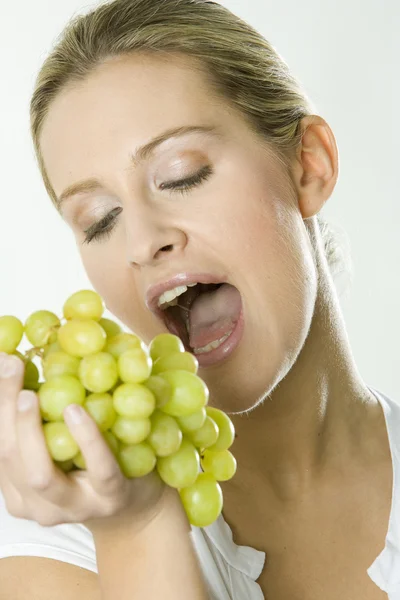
<point>121,105</point>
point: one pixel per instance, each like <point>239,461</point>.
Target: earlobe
<point>315,170</point>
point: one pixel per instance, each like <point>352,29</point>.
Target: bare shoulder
<point>37,578</point>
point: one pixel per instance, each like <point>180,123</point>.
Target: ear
<point>315,168</point>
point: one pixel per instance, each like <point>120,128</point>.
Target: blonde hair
<point>240,65</point>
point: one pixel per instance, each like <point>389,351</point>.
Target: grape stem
<point>32,352</point>
<point>51,331</point>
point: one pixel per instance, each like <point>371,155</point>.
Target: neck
<point>320,416</point>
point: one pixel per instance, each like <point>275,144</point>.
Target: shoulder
<point>37,558</point>
<point>27,577</point>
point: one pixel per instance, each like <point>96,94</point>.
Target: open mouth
<point>208,319</point>
<point>177,317</point>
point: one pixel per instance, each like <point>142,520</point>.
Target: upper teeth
<point>169,298</point>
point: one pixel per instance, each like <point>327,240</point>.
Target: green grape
<point>98,372</point>
<point>202,501</point>
<point>31,376</point>
<point>112,442</point>
<point>60,363</point>
<point>193,421</point>
<point>115,387</point>
<point>206,436</point>
<point>65,465</point>
<point>58,393</point>
<point>134,366</point>
<point>189,393</point>
<point>181,468</point>
<point>110,327</point>
<point>222,465</point>
<point>81,338</point>
<point>79,461</point>
<point>137,460</point>
<point>49,348</point>
<point>85,304</point>
<point>134,400</point>
<point>41,328</point>
<point>131,431</point>
<point>226,429</point>
<point>122,342</point>
<point>165,436</point>
<point>11,332</point>
<point>100,407</point>
<point>60,442</point>
<point>31,373</point>
<point>164,344</point>
<point>183,361</point>
<point>160,388</point>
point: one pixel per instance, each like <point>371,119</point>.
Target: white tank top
<point>231,571</point>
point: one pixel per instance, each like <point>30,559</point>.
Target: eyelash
<point>103,228</point>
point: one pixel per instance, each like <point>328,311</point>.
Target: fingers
<point>12,499</point>
<point>11,381</point>
<point>32,485</point>
<point>25,463</point>
<point>40,473</point>
<point>102,467</point>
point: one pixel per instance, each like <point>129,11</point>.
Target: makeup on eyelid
<point>102,228</point>
<point>200,158</point>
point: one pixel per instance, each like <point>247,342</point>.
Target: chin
<point>234,395</point>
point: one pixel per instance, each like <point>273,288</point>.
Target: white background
<point>346,54</point>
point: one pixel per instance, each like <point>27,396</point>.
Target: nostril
<point>167,248</point>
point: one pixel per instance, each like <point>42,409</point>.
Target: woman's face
<point>238,225</point>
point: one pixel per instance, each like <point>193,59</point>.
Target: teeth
<point>166,299</point>
<point>169,298</point>
<point>212,345</point>
<point>173,302</point>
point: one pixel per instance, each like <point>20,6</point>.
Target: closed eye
<point>189,182</point>
<point>103,228</point>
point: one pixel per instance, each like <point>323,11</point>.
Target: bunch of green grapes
<point>148,401</point>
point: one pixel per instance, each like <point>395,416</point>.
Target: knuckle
<point>7,450</point>
<point>8,392</point>
<point>16,509</point>
<point>40,481</point>
<point>92,441</point>
<point>44,520</point>
<point>17,513</point>
<point>109,475</point>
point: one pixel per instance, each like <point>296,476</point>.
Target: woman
<point>234,201</point>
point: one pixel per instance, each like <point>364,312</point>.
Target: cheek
<point>271,255</point>
<point>292,283</point>
<point>113,280</point>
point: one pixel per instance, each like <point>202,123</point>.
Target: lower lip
<point>225,349</point>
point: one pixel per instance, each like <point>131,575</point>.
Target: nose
<point>152,238</point>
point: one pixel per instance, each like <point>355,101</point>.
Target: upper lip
<point>154,291</point>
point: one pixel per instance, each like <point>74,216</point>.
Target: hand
<point>35,488</point>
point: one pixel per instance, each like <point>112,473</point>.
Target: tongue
<point>213,314</point>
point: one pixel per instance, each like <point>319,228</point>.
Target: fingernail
<point>25,401</point>
<point>9,366</point>
<point>73,414</point>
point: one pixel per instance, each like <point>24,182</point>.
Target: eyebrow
<point>140,155</point>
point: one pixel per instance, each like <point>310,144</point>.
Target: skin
<point>319,429</point>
